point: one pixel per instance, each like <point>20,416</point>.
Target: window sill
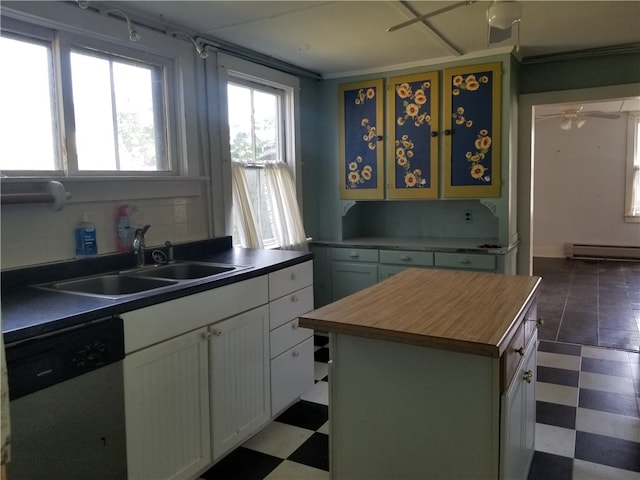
<point>99,189</point>
<point>632,219</point>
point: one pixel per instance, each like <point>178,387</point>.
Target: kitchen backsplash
<point>33,234</point>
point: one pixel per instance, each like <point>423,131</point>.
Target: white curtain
<point>243,214</point>
<point>287,220</point>
<point>634,208</point>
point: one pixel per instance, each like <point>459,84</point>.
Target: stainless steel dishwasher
<point>67,404</point>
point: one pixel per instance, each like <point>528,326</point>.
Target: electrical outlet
<point>468,216</point>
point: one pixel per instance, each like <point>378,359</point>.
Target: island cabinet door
<point>519,417</point>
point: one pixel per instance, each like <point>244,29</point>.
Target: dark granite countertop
<point>28,311</point>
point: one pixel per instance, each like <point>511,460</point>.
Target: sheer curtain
<point>286,218</point>
<point>243,214</point>
<point>634,207</point>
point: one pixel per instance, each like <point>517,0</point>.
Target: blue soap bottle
<point>86,243</point>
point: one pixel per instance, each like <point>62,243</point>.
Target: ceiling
<point>342,38</point>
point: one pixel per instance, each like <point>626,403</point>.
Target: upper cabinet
<point>361,143</point>
<point>412,156</point>
<point>470,129</point>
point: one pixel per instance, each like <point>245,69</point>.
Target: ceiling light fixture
<point>134,36</point>
<point>83,4</point>
<point>504,14</point>
<point>200,49</point>
<point>570,119</point>
<point>501,17</point>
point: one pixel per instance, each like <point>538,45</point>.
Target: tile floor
<point>295,446</point>
<point>588,397</point>
<point>590,302</point>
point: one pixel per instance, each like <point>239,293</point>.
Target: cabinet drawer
<point>511,357</point>
<point>287,336</point>
<point>355,254</point>
<point>291,375</point>
<point>465,261</point>
<point>388,271</point>
<point>290,306</point>
<point>407,257</point>
<point>290,279</point>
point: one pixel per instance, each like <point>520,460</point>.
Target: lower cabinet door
<point>239,365</point>
<point>167,408</point>
<point>348,278</point>
<point>291,375</point>
<point>518,418</point>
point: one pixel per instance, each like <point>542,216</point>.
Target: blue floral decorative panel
<point>473,131</point>
<point>412,155</point>
<point>361,149</point>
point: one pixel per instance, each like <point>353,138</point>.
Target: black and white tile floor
<point>588,422</point>
<point>295,446</point>
<point>588,396</point>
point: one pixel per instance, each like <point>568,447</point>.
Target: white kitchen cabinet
<point>240,390</point>
<point>291,374</point>
<point>197,370</point>
<point>167,408</point>
<point>291,347</point>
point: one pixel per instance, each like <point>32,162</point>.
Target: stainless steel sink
<point>184,270</point>
<point>144,279</point>
<point>110,285</point>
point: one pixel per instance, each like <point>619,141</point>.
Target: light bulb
<point>566,124</point>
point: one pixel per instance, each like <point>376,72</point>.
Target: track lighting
<point>200,49</point>
<point>134,36</point>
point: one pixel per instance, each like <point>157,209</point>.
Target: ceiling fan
<point>577,117</point>
<point>501,16</point>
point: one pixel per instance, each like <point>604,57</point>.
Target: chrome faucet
<point>170,258</point>
<point>138,245</point>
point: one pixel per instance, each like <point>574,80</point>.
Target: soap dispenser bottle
<point>123,229</point>
<point>86,243</point>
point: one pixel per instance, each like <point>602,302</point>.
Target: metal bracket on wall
<point>346,206</point>
<point>490,205</point>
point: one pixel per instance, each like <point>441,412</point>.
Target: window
<point>76,107</point>
<point>263,114</point>
<point>28,107</point>
<point>118,124</point>
<point>632,213</point>
<point>256,133</point>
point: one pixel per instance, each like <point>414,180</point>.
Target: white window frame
<point>230,68</point>
<point>62,43</point>
<point>633,167</point>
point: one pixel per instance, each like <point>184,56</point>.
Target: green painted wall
<point>578,73</point>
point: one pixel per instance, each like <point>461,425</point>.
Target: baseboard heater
<point>577,250</point>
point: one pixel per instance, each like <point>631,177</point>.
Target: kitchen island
<point>432,376</point>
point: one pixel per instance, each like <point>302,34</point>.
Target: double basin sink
<point>142,279</point>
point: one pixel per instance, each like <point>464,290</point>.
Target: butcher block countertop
<point>468,312</point>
